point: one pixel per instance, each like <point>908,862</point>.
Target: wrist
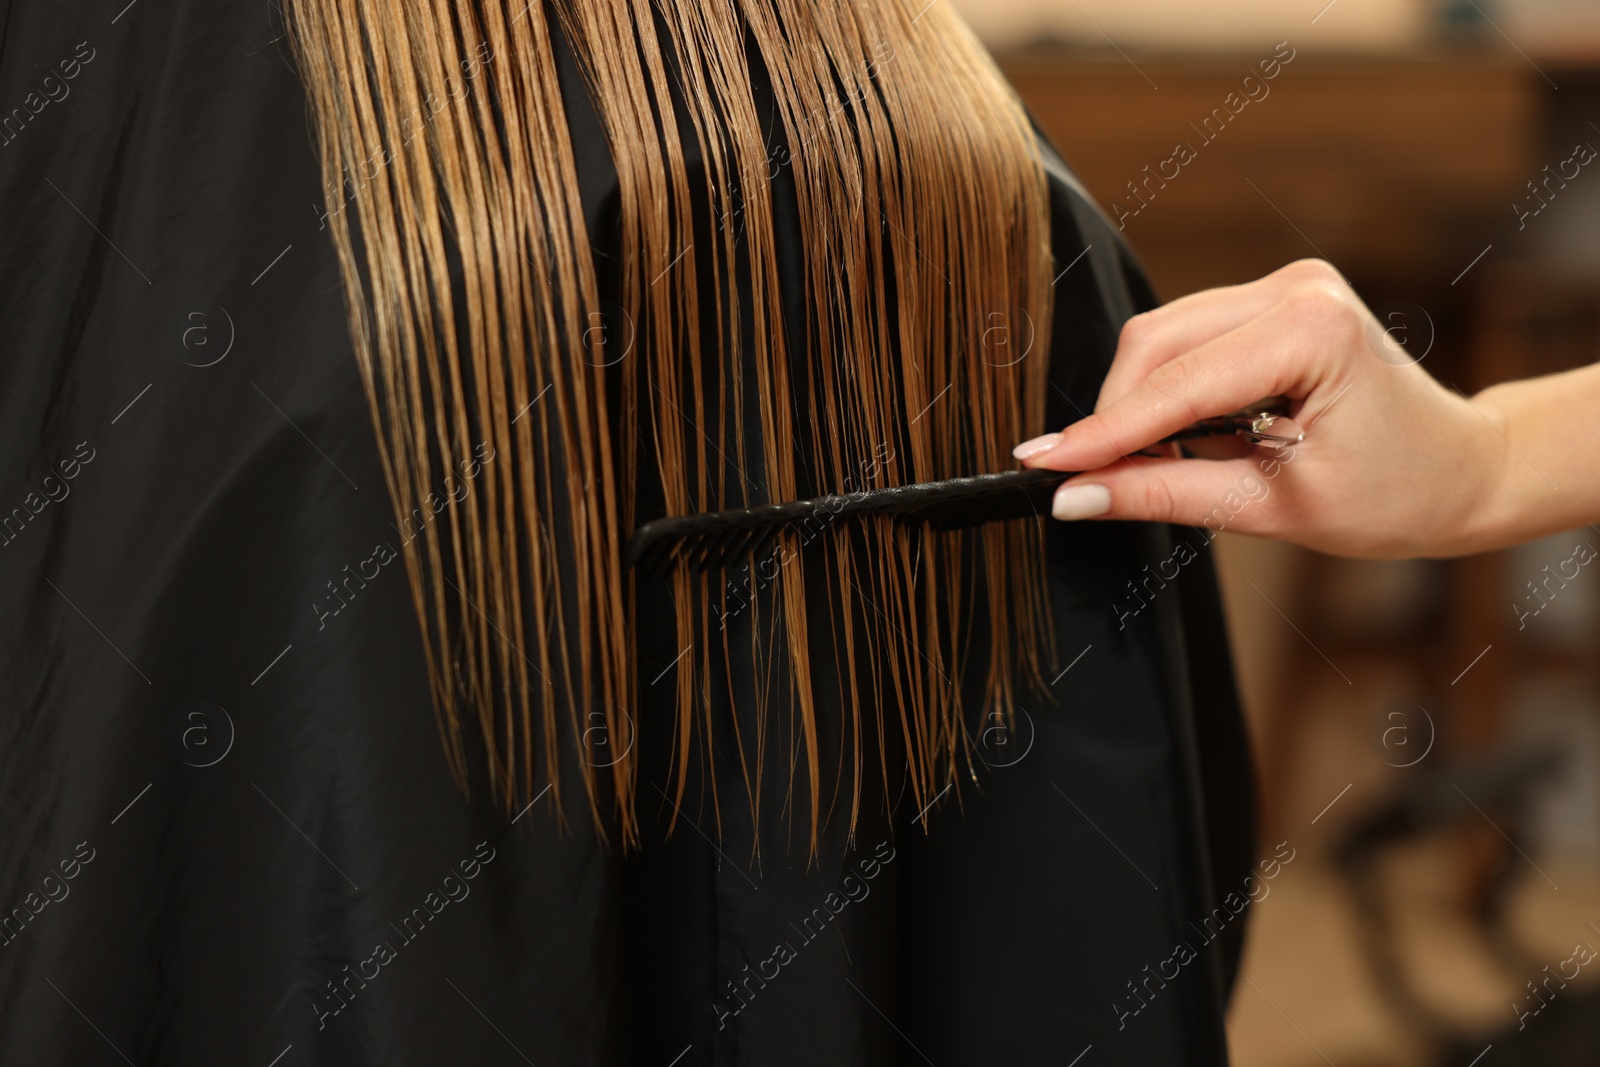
<point>1497,515</point>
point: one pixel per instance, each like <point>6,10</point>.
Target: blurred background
<point>1427,733</point>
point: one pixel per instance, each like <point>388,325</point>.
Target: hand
<point>1393,463</point>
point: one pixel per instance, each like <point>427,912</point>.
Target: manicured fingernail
<point>1081,502</point>
<point>1035,446</point>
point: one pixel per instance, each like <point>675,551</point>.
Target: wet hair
<point>920,352</point>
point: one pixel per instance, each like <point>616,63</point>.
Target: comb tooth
<point>739,550</point>
<point>685,552</point>
<point>660,559</point>
<point>706,549</point>
<point>733,552</point>
<point>710,547</point>
<point>764,541</point>
<point>679,553</point>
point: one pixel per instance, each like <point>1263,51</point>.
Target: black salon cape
<point>227,829</point>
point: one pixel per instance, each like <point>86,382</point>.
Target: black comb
<point>724,539</point>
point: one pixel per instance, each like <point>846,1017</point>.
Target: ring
<point>1267,428</point>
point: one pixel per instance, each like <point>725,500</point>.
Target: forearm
<point>1548,476</point>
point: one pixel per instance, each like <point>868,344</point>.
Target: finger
<point>1161,335</point>
<point>1217,494</point>
<point>1298,343</point>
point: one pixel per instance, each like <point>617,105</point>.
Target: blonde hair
<point>922,204</point>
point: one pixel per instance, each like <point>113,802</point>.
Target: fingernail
<point>1036,445</point>
<point>1081,502</point>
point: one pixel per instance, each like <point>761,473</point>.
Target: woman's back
<point>222,722</point>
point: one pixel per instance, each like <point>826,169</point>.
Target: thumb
<point>1191,492</point>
